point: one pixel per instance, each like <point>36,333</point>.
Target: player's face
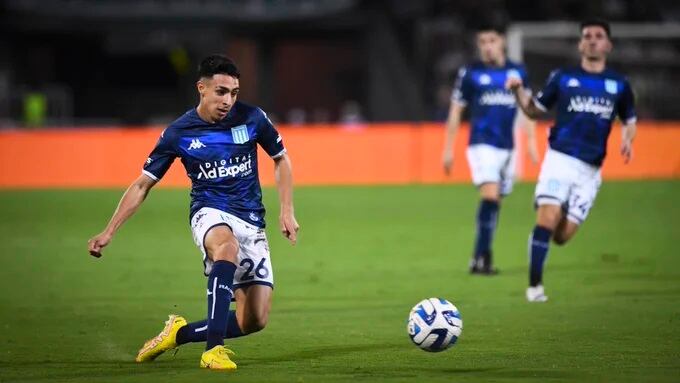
<point>491,46</point>
<point>218,94</point>
<point>594,43</point>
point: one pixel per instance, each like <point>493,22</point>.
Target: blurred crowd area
<point>133,62</point>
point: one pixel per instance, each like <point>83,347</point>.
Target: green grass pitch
<point>366,255</point>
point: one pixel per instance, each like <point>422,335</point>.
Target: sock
<point>486,224</point>
<point>220,281</point>
<point>197,331</point>
<point>539,242</point>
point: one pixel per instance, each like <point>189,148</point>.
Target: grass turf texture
<point>365,257</point>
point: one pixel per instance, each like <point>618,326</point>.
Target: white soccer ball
<point>434,324</point>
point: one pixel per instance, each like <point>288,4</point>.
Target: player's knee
<point>490,191</point>
<point>256,323</point>
<point>224,250</point>
<point>560,239</point>
<point>549,216</point>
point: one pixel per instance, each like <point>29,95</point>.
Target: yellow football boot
<point>163,342</point>
<point>217,358</point>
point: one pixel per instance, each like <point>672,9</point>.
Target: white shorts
<point>568,182</point>
<point>254,264</point>
<point>491,164</point>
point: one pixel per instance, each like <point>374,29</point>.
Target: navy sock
<point>539,243</point>
<point>486,224</point>
<point>197,331</point>
<point>220,281</point>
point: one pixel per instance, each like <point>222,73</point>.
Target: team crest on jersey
<point>240,134</point>
<point>611,86</point>
<point>513,73</point>
<point>484,79</point>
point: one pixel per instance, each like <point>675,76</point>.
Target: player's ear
<point>200,86</point>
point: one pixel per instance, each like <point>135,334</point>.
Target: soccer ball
<point>434,324</point>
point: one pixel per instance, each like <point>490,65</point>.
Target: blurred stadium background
<point>132,62</point>
<point>359,90</point>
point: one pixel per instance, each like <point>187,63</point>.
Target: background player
<point>493,115</point>
<point>217,143</point>
<point>588,98</point>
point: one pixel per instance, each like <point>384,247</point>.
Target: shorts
<point>254,264</point>
<point>568,182</point>
<point>489,164</point>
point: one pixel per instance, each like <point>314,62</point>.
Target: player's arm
<point>626,107</point>
<point>529,127</point>
<point>128,205</point>
<point>523,98</point>
<point>628,134</point>
<point>284,183</point>
<point>452,125</point>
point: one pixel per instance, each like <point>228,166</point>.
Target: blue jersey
<point>587,104</point>
<point>220,159</point>
<point>492,107</point>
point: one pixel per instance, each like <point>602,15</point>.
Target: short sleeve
<point>462,90</point>
<point>268,137</point>
<point>546,98</point>
<point>626,105</point>
<point>161,157</point>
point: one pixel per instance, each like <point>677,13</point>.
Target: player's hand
<point>447,161</point>
<point>627,150</point>
<point>97,243</point>
<point>289,226</point>
<point>513,83</point>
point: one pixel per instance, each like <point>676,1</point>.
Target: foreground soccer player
<point>493,116</point>
<point>217,143</point>
<point>588,99</point>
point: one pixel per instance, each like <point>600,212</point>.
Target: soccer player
<point>493,116</point>
<point>588,98</point>
<point>217,143</point>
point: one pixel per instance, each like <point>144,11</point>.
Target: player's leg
<point>548,217</point>
<point>222,249</point>
<point>252,308</point>
<point>552,194</point>
<point>487,218</point>
<point>581,200</point>
<point>564,231</point>
<point>219,247</point>
<point>252,312</point>
<point>486,164</point>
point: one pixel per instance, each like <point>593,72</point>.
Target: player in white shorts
<point>217,142</point>
<point>493,116</point>
<point>588,98</point>
<point>253,251</point>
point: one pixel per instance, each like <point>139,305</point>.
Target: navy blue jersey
<point>492,108</point>
<point>220,159</point>
<point>587,104</point>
